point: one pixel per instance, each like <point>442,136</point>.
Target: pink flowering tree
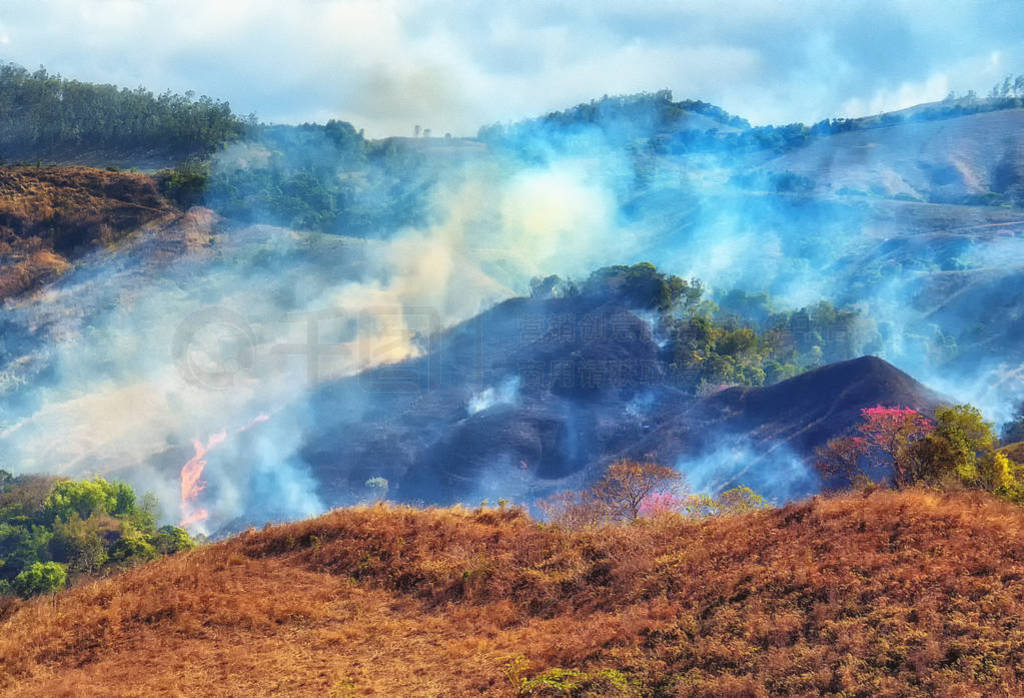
<point>887,437</point>
<point>658,503</point>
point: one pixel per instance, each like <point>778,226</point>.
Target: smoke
<point>506,393</point>
<point>128,362</point>
<point>778,475</point>
<point>120,366</point>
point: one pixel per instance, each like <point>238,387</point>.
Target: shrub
<point>172,539</point>
<point>40,578</point>
<point>133,548</point>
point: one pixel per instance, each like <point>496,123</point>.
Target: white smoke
<point>505,393</point>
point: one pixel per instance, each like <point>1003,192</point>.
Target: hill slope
<point>949,160</point>
<point>887,593</point>
<point>51,216</point>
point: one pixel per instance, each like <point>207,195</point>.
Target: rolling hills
<point>877,593</point>
<point>482,391</point>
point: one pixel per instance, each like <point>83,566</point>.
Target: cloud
<point>386,65</point>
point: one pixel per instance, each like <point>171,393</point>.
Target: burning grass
<point>883,593</point>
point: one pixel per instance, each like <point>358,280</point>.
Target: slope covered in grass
<point>49,216</point>
<point>887,593</point>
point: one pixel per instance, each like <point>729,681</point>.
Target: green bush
<point>133,548</point>
<point>85,527</point>
<point>172,539</point>
<point>40,578</point>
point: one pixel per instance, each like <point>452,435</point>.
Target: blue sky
<point>453,65</point>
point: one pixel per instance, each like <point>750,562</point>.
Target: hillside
<point>541,429</point>
<point>51,216</point>
<point>881,593</point>
<point>959,160</point>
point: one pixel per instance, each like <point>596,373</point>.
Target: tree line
<point>44,113</point>
<point>54,530</point>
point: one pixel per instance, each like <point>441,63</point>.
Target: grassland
<point>873,594</point>
<point>50,216</point>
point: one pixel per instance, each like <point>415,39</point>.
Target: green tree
<point>644,286</point>
<point>40,578</point>
<point>81,497</point>
<point>172,539</point>
<point>963,446</point>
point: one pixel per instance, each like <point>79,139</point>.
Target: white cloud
<point>388,64</point>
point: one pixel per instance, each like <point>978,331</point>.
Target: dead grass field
<point>51,215</point>
<point>885,593</point>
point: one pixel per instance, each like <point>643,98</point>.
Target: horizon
<point>388,67</point>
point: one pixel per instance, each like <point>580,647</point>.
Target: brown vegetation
<point>51,215</point>
<point>882,593</point>
<point>626,487</point>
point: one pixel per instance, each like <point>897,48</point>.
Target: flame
<point>194,518</point>
<point>191,479</point>
<point>192,483</point>
<point>258,419</point>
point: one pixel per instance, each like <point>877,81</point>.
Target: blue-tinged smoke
<point>778,475</point>
<point>96,375</point>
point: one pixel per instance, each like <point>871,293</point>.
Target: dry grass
<point>50,215</point>
<point>910,593</point>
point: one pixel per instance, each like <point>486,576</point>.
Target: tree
<point>172,539</point>
<point>891,432</point>
<point>643,286</point>
<point>93,497</point>
<point>627,483</point>
<point>841,457</point>
<point>957,448</point>
<point>963,447</point>
<point>887,441</point>
<point>40,578</point>
<point>81,497</point>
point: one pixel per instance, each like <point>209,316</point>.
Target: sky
<point>454,65</point>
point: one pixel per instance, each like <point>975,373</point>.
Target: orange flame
<point>258,419</point>
<point>191,479</point>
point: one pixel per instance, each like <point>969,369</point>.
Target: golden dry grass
<point>887,593</point>
<point>50,215</point>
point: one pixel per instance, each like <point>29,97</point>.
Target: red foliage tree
<point>887,438</point>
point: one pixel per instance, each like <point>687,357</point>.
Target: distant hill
<point>975,158</point>
<point>897,593</point>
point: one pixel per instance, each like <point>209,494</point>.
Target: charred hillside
<point>896,593</point>
<point>540,394</point>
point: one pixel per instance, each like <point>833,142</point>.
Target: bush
<point>40,578</point>
<point>79,543</point>
<point>133,548</point>
<point>84,526</point>
<point>172,539</point>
